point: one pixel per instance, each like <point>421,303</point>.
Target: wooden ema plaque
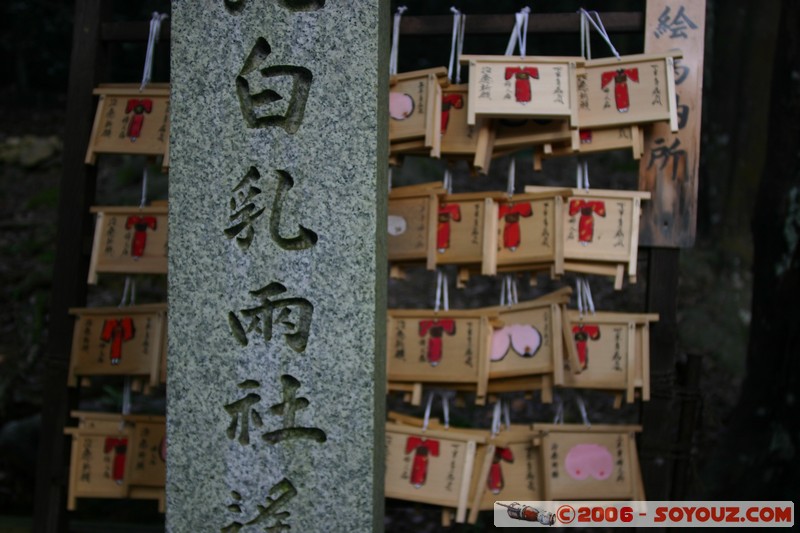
<point>433,466</point>
<point>597,462</point>
<point>116,456</point>
<point>413,212</point>
<point>459,139</point>
<point>523,87</point>
<point>129,240</point>
<point>530,341</point>
<point>118,341</point>
<point>415,111</point>
<point>439,347</point>
<point>508,467</point>
<point>461,229</point>
<point>528,232</point>
<point>601,231</point>
<point>130,121</point>
<point>612,352</point>
<point>635,89</point>
<point>592,141</point>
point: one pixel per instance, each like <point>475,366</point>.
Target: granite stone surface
<point>277,265</point>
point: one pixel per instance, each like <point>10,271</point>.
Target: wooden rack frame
<point>93,33</point>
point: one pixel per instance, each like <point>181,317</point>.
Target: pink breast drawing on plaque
<point>524,339</point>
<point>585,460</point>
<point>401,105</point>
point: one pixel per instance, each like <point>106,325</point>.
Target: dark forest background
<point>738,300</point>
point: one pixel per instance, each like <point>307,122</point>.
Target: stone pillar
<point>277,265</point>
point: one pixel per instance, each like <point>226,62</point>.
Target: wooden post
<point>74,239</point>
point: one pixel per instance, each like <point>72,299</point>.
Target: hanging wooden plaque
<point>413,212</point>
<point>459,139</point>
<point>530,341</point>
<point>464,230</point>
<point>523,87</point>
<point>594,140</point>
<point>129,240</point>
<point>596,462</point>
<point>634,89</point>
<point>611,352</point>
<point>433,466</point>
<point>130,121</point>
<point>601,231</point>
<point>117,456</point>
<point>528,232</point>
<point>415,109</point>
<point>118,341</point>
<point>508,467</point>
<point>438,347</point>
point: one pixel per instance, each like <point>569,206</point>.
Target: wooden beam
<point>615,22</point>
<point>660,414</point>
<point>74,238</point>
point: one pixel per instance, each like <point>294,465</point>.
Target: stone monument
<point>277,265</point>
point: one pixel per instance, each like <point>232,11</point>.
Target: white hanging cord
<point>512,177</point>
<point>598,25</point>
<point>427,417</point>
<point>559,416</point>
<point>442,295</point>
<point>125,292</point>
<point>152,39</point>
<point>508,290</point>
<point>447,181</point>
<point>519,35</point>
<point>143,202</point>
<point>586,43</point>
<point>126,396</point>
<point>582,409</point>
<point>507,414</point>
<point>496,417</point>
<point>395,39</point>
<point>513,284</point>
<point>584,296</point>
<point>445,294</point>
<point>446,396</point>
<point>582,174</point>
<point>587,295</point>
<point>456,45</point>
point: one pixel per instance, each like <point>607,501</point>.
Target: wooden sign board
<point>669,167</point>
<point>597,462</point>
<point>116,456</point>
<point>413,212</point>
<point>461,229</point>
<point>530,339</point>
<point>129,240</point>
<point>438,347</point>
<point>433,466</point>
<point>611,352</point>
<point>592,141</point>
<point>634,89</point>
<point>118,341</point>
<point>415,109</point>
<point>523,87</point>
<point>508,467</point>
<point>528,233</point>
<point>130,121</point>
